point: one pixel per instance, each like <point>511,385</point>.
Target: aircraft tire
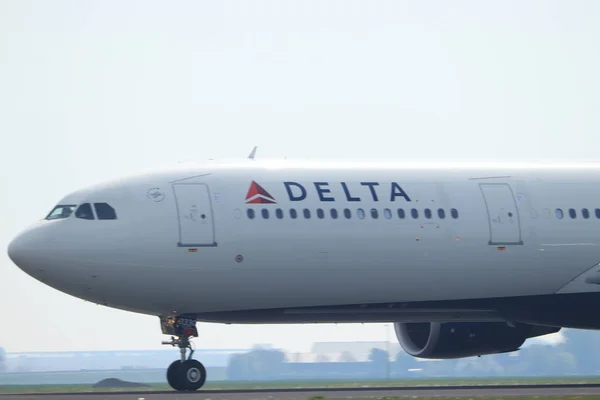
<point>192,375</point>
<point>174,376</point>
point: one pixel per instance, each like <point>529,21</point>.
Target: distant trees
<point>578,355</point>
<point>380,363</point>
<point>584,346</point>
<point>478,366</point>
<point>2,360</point>
<point>403,363</point>
<point>322,358</point>
<point>258,364</point>
<point>346,356</point>
<point>378,356</point>
<point>549,360</point>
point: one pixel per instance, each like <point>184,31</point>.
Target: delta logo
<point>297,192</point>
<point>258,195</point>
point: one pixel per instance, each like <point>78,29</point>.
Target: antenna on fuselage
<point>253,153</point>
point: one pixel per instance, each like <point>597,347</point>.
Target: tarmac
<point>329,393</point>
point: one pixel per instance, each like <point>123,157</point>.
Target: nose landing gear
<point>185,374</point>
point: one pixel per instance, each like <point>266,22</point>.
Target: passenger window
<point>320,213</point>
<point>60,212</point>
<point>334,213</point>
<point>250,213</point>
<point>104,211</point>
<point>401,213</point>
<point>415,213</point>
<point>279,213</point>
<point>293,213</point>
<point>597,212</point>
<point>427,213</point>
<point>306,213</point>
<point>85,211</point>
<point>559,213</point>
<point>347,213</point>
<point>361,213</point>
<point>441,213</point>
<point>387,213</point>
<point>533,213</point>
<point>585,213</point>
<point>454,213</point>
<point>572,213</point>
<point>265,213</point>
<point>374,213</point>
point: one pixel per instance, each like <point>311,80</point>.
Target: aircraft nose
<point>29,251</point>
<point>19,251</point>
<point>44,253</point>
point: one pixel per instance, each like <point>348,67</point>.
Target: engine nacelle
<point>464,339</point>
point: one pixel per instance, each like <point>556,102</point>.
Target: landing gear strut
<point>185,374</point>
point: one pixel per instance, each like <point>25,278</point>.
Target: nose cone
<point>21,251</point>
<point>43,252</point>
<point>31,249</point>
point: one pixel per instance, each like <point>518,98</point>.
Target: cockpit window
<point>84,211</point>
<point>61,211</point>
<point>105,211</point>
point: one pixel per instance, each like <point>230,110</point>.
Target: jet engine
<point>465,339</point>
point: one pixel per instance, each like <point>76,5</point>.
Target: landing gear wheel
<point>193,375</point>
<point>174,376</point>
<point>185,374</point>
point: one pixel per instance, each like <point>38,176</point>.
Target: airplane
<point>464,259</point>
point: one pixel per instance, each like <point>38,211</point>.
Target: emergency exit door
<point>503,216</point>
<point>194,211</point>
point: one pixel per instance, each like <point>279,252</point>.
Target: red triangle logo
<point>258,195</point>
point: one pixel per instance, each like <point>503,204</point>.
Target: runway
<point>329,393</point>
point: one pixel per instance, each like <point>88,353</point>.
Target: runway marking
<point>585,387</point>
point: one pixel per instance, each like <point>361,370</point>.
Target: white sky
<point>90,90</point>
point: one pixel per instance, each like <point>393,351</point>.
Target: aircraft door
<point>503,216</point>
<point>194,211</point>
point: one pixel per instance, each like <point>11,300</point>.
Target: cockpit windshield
<point>61,211</point>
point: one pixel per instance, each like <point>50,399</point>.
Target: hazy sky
<point>90,90</point>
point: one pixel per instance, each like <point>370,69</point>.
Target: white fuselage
<point>183,241</point>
